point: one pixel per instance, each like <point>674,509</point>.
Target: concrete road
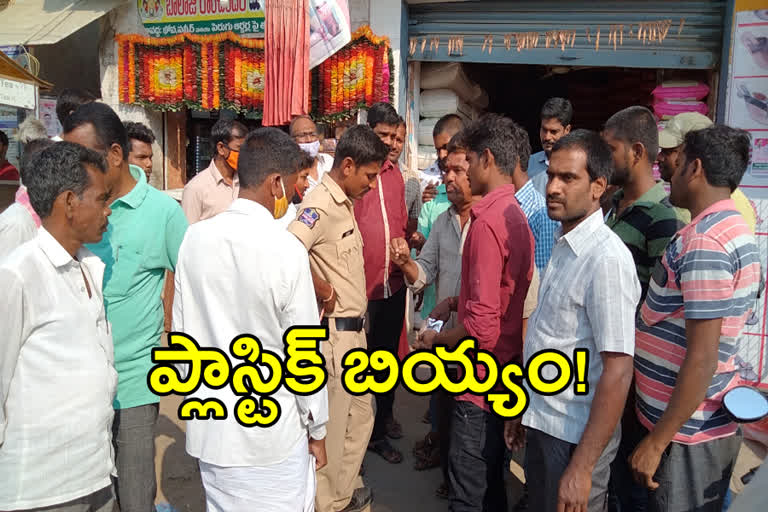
<point>396,487</point>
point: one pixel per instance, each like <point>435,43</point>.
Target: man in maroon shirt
<point>497,267</point>
<point>381,217</point>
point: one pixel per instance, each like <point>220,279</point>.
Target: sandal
<point>442,491</point>
<point>423,448</point>
<point>386,450</point>
<point>394,429</point>
<point>432,460</point>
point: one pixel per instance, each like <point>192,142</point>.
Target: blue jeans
<point>476,460</point>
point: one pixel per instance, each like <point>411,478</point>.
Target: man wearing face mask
<point>304,132</point>
<point>213,190</point>
<point>244,468</point>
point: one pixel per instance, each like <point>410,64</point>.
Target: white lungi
<point>285,487</point>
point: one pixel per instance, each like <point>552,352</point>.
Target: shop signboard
<point>164,18</point>
<point>17,94</point>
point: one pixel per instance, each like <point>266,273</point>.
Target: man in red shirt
<point>497,267</point>
<point>7,170</point>
<point>381,217</point>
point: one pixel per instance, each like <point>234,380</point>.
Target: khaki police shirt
<point>326,225</point>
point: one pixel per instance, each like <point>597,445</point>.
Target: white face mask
<point>313,148</point>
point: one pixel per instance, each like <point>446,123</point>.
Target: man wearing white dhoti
<point>241,272</point>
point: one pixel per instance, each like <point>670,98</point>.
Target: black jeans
<point>386,318</point>
<point>476,460</point>
<point>546,459</point>
<point>624,494</point>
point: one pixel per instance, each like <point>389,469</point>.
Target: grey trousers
<point>133,435</point>
<point>546,459</point>
<point>694,478</point>
<point>99,501</point>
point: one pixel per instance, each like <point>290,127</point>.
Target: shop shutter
<point>696,46</point>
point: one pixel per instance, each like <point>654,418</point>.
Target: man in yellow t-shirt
<point>671,144</point>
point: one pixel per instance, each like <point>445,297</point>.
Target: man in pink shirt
<point>497,267</point>
<point>381,216</point>
<point>214,189</point>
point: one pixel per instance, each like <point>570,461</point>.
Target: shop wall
<point>386,19</point>
<point>126,20</point>
<point>359,12</point>
<point>82,69</point>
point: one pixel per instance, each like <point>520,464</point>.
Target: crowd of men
<point>576,247</point>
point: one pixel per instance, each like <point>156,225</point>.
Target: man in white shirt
<point>19,222</point>
<point>265,289</point>
<point>57,378</point>
<point>587,300</point>
<point>304,132</point>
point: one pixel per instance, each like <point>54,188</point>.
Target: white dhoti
<point>285,487</point>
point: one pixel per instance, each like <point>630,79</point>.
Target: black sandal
<point>386,450</point>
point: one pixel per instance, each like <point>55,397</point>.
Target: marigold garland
<point>207,72</point>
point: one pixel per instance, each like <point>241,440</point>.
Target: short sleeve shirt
<point>142,241</point>
<point>710,269</point>
<point>325,224</point>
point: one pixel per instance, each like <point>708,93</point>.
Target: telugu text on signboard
<point>163,18</point>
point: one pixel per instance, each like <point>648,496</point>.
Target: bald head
<point>303,129</point>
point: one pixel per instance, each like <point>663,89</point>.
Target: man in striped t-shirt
<point>642,216</point>
<point>688,331</point>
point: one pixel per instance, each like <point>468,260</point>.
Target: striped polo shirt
<point>709,270</point>
<point>646,227</point>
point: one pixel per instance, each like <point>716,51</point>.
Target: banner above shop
<point>163,18</point>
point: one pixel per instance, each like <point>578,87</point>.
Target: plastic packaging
<point>681,91</point>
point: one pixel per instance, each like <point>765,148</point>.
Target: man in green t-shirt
<point>141,243</point>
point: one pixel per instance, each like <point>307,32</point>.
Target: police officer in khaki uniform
<point>326,225</point>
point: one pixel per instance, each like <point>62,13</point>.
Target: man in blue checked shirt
<point>534,207</point>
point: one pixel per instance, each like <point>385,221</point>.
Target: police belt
<point>346,324</point>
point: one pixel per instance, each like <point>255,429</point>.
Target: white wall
<point>125,20</point>
<point>385,19</point>
<point>359,12</point>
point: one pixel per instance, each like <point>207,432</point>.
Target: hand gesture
<point>426,339</point>
<point>442,311</point>
<point>429,193</point>
<point>416,241</point>
<point>399,251</point>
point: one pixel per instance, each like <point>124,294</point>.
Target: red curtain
<point>287,61</point>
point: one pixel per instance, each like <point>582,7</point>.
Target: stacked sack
<point>672,98</point>
<point>446,89</point>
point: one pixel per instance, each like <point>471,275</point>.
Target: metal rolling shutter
<point>696,47</point>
